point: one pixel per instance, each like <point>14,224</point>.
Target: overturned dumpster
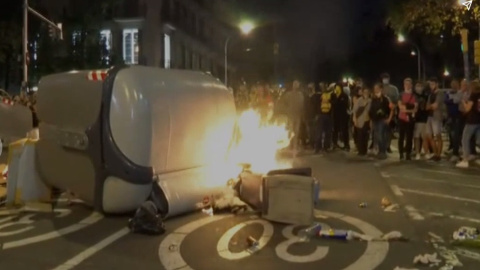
<point>113,136</point>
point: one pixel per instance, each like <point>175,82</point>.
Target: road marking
<point>93,218</point>
<point>171,258</point>
<point>413,213</point>
<point>87,253</point>
<point>385,174</point>
<point>434,181</point>
<point>222,246</point>
<point>439,195</point>
<point>396,190</point>
<point>445,172</point>
<point>282,248</point>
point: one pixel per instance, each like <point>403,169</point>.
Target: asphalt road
<point>76,238</point>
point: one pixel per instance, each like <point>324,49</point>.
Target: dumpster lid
<point>97,75</point>
<point>8,101</point>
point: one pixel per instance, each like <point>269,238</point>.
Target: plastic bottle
<point>310,231</point>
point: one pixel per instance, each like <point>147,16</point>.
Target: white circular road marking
<point>171,258</point>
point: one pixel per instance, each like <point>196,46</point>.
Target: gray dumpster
<point>110,136</point>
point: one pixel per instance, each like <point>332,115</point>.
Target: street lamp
<point>446,73</point>
<point>401,39</point>
<point>245,28</point>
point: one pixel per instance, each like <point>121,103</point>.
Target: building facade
<point>180,34</point>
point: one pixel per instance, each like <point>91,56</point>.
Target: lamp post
<point>245,28</point>
<point>401,39</point>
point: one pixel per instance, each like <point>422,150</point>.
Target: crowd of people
<point>324,117</point>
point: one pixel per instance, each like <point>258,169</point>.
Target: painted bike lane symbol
<point>26,222</point>
<point>171,258</point>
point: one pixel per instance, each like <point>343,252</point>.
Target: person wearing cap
<point>390,91</point>
<point>435,107</point>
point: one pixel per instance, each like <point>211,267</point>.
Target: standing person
<point>472,123</point>
<point>391,91</point>
<point>310,115</point>
<point>361,121</point>
<point>294,102</point>
<point>421,116</point>
<point>435,107</point>
<point>466,92</point>
<point>325,119</point>
<point>381,115</point>
<point>454,119</point>
<point>357,94</point>
<point>406,120</point>
<point>341,118</point>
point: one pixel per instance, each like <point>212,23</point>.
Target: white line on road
<point>473,220</point>
<point>396,190</point>
<point>413,213</point>
<point>87,253</point>
<point>449,173</point>
<point>93,218</point>
<point>434,181</point>
<point>439,195</point>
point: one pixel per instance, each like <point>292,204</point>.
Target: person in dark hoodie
<point>381,115</point>
<point>341,117</point>
<point>454,121</point>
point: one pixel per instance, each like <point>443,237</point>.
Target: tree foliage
<point>431,16</point>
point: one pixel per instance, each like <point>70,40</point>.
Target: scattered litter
<point>426,259</point>
<point>446,267</point>
<point>436,238</point>
<point>467,236</point>
<point>385,202</point>
<point>147,220</point>
<point>334,234</point>
<point>253,245</point>
<point>173,248</point>
<point>309,232</point>
<point>363,205</point>
<point>392,208</point>
<point>401,268</point>
<point>359,236</point>
<point>392,236</point>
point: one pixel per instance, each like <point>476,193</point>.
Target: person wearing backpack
<point>381,114</point>
<point>325,120</point>
<point>407,105</point>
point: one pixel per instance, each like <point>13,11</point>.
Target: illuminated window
<point>167,52</point>
<point>130,46</point>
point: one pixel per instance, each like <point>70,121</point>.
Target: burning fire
<point>259,143</point>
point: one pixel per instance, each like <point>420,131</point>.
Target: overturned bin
<point>113,136</point>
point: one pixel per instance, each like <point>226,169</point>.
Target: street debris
<point>427,259</point>
<point>253,245</point>
<point>147,220</point>
<point>467,254</point>
<point>394,236</point>
<point>385,202</point>
<point>449,256</point>
<point>391,208</point>
<point>401,268</point>
<point>363,205</point>
<point>467,237</point>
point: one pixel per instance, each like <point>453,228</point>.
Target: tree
<point>431,17</point>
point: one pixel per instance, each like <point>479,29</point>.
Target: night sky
<point>313,32</point>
